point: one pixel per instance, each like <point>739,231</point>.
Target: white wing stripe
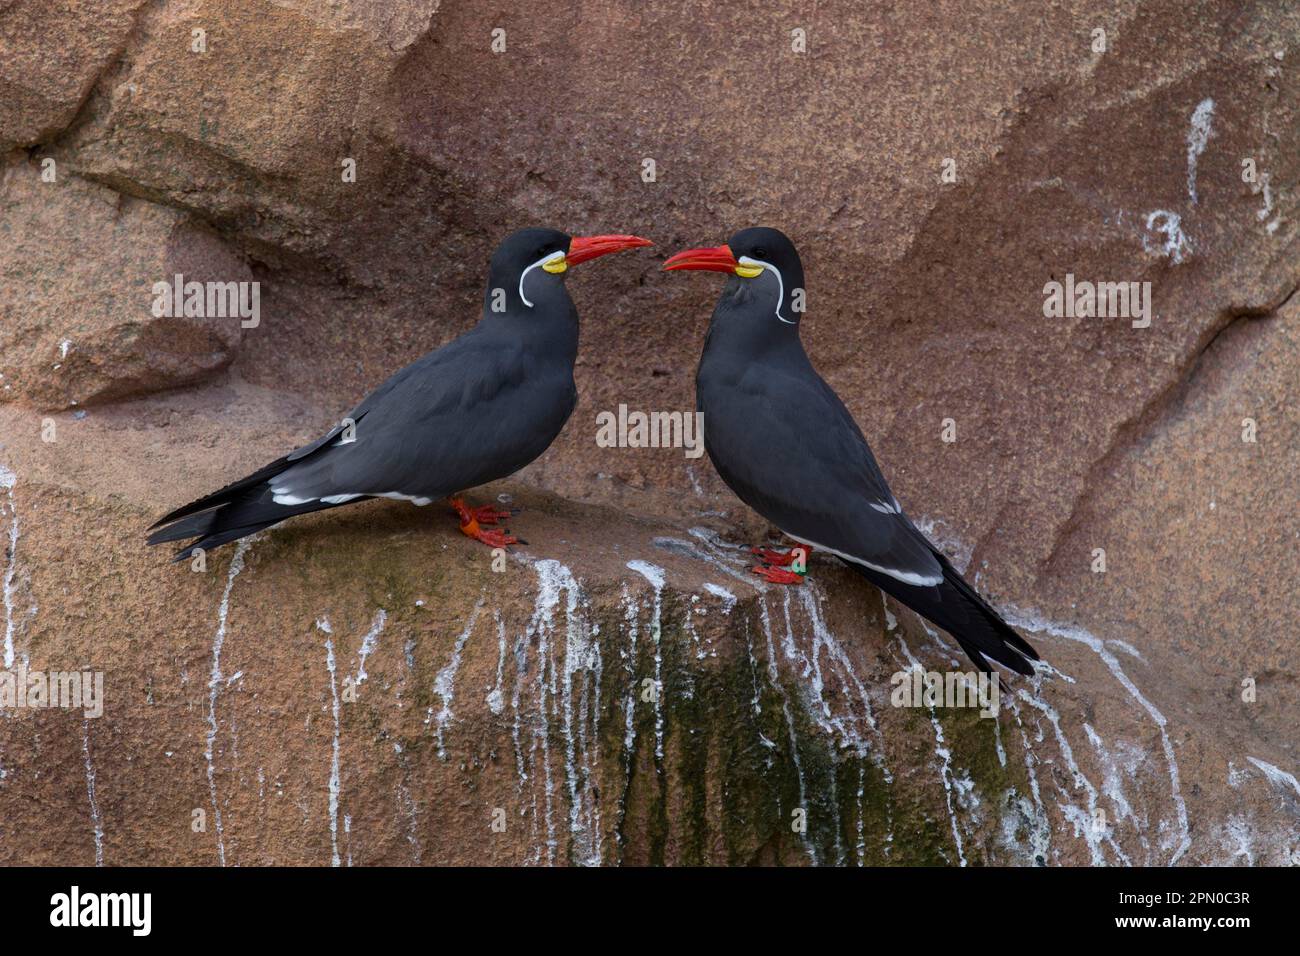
<point>283,496</point>
<point>907,577</point>
<point>287,498</point>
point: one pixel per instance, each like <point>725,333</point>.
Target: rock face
<point>55,50</point>
<point>365,687</point>
<point>81,320</point>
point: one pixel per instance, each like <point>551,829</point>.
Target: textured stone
<point>925,303</point>
<point>54,51</point>
<point>77,323</point>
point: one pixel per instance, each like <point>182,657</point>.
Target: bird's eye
<point>760,253</point>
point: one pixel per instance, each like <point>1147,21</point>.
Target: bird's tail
<point>236,511</point>
<point>958,608</point>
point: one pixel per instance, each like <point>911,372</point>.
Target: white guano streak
<point>945,759</point>
<point>1197,138</point>
<point>368,645</point>
<point>7,481</point>
<point>655,575</point>
<point>444,685</point>
<point>214,687</point>
<point>1033,622</point>
<point>334,760</point>
<point>96,822</point>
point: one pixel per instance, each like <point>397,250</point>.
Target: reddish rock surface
<point>234,691</point>
<point>82,321</point>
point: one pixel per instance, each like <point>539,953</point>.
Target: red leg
<point>781,559</point>
<point>775,562</point>
<point>776,575</point>
<point>490,514</point>
<point>471,520</point>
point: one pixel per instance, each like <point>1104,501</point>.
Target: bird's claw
<point>495,538</point>
<point>782,567</point>
<point>490,514</point>
<point>473,519</point>
<point>772,556</point>
<point>776,575</point>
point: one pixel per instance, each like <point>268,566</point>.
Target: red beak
<point>711,258</point>
<point>582,248</point>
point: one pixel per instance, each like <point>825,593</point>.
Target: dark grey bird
<point>785,444</point>
<point>476,410</point>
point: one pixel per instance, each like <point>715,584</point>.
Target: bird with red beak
<point>474,411</point>
<point>783,441</point>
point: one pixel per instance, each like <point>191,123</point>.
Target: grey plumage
<point>476,410</point>
<point>783,441</point>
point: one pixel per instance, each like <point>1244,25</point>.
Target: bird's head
<point>529,266</point>
<point>766,265</point>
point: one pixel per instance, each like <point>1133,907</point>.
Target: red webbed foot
<point>490,514</point>
<point>493,538</point>
<point>776,575</point>
<point>782,559</point>
<point>472,520</point>
<point>775,563</point>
